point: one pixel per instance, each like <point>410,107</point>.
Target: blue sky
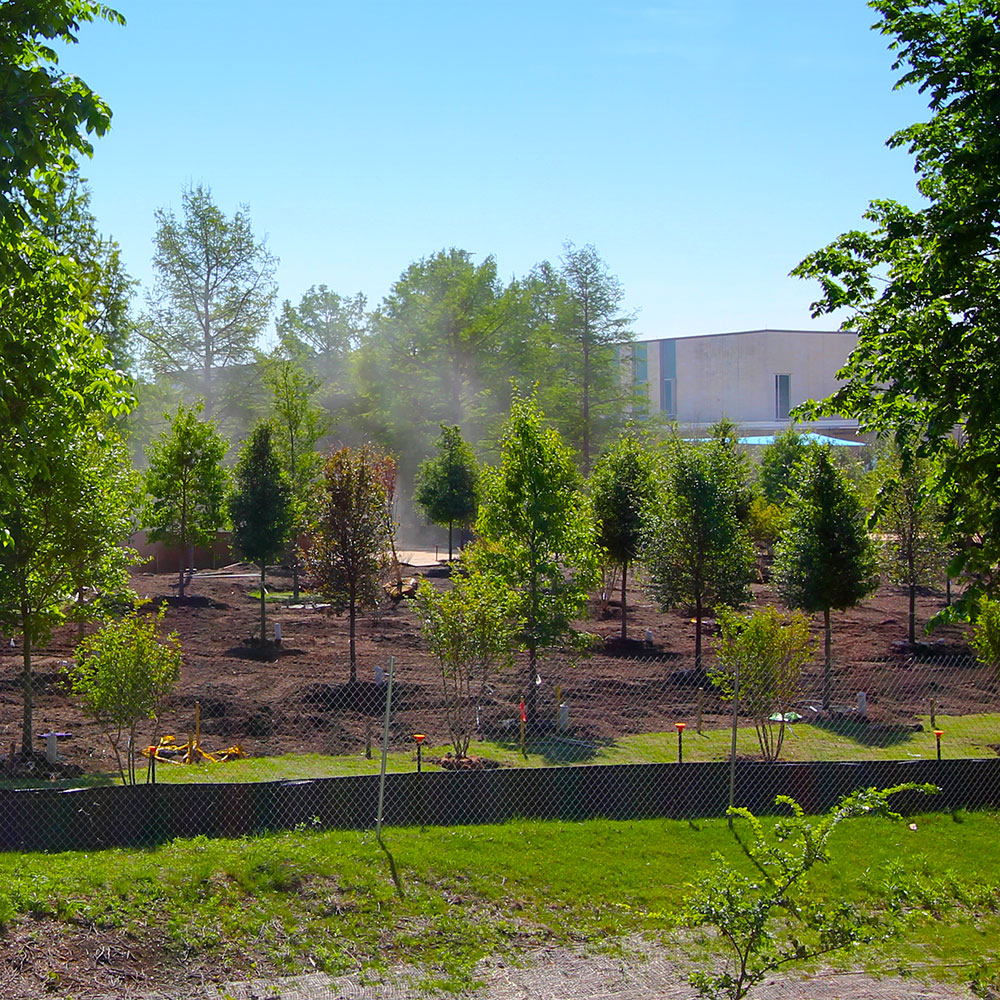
<point>703,146</point>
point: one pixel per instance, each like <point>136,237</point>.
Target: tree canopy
<point>922,286</point>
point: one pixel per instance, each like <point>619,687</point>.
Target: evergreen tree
<point>697,552</point>
<point>446,484</point>
<point>261,508</point>
<point>540,534</point>
<point>185,485</point>
<point>825,560</point>
<point>623,490</point>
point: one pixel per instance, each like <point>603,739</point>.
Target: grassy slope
<point>294,900</point>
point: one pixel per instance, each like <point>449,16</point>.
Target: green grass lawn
<point>304,899</point>
<point>964,736</point>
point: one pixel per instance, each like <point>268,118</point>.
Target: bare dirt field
<point>295,697</point>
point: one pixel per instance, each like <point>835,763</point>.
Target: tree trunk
<point>28,698</point>
<point>624,609</point>
<point>352,615</point>
<point>263,605</point>
<point>181,560</point>
<point>295,574</point>
<point>913,614</point>
<point>450,525</point>
<point>827,661</point>
<point>698,612</point>
<point>531,695</point>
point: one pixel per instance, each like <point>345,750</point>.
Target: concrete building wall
<point>698,380</point>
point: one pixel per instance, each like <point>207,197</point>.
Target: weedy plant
<point>768,919</point>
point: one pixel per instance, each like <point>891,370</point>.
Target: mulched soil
<point>295,697</point>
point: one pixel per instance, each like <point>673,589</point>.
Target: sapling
<point>768,919</point>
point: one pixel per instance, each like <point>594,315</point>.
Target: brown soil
<point>295,697</point>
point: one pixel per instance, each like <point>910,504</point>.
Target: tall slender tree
<point>623,490</point>
<point>825,560</point>
<point>213,293</point>
<point>446,484</point>
<point>185,485</point>
<point>261,508</point>
<point>349,538</point>
<point>697,551</point>
<point>540,534</point>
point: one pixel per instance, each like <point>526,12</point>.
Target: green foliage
<point>350,534</point>
<point>260,508</point>
<point>446,484</point>
<point>921,286</point>
<point>539,532</point>
<point>121,676</point>
<point>696,552</point>
<point>472,630</point>
<point>622,489</point>
<point>776,474</point>
<point>213,294</point>
<point>588,331</point>
<point>908,520</point>
<point>769,918</point>
<point>185,484</point>
<point>761,657</point>
<point>45,113</point>
<point>985,639</point>
<point>825,560</point>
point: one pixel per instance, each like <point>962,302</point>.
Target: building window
<point>640,361</point>
<point>668,404</point>
<point>782,396</point>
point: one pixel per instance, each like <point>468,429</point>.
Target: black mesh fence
<point>624,738</point>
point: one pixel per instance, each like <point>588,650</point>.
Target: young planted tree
<point>349,537</point>
<point>907,518</point>
<point>776,472</point>
<point>121,676</point>
<point>825,560</point>
<point>261,508</point>
<point>540,535</point>
<point>768,919</point>
<point>623,490</point>
<point>761,656</point>
<point>299,424</point>
<point>985,639</point>
<point>446,484</point>
<point>696,551</point>
<point>185,485</point>
<point>472,630</point>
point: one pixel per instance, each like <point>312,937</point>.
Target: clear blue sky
<point>703,146</point>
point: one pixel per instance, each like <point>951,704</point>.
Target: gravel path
<point>561,974</point>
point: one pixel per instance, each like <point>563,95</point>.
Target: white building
<point>754,378</point>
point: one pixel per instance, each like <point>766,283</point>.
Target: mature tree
<point>540,534</point>
<point>432,353</point>
<point>590,330</point>
<point>57,385</point>
<point>44,112</point>
<point>324,328</point>
<point>697,552</point>
<point>907,519</point>
<point>349,538</point>
<point>121,676</point>
<point>761,657</point>
<point>299,424</point>
<point>825,560</point>
<point>261,508</point>
<point>446,484</point>
<point>922,286</point>
<point>185,485</point>
<point>472,630</point>
<point>213,293</point>
<point>623,489</point>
